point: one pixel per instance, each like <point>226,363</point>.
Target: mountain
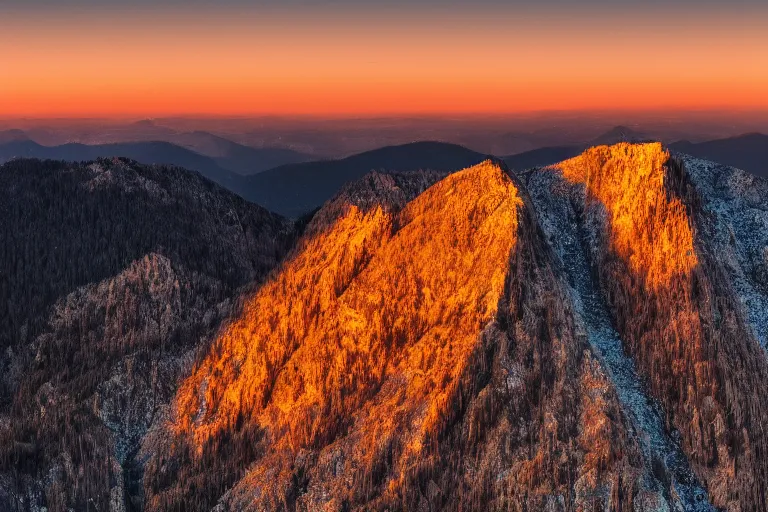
<point>680,279</point>
<point>236,157</point>
<point>494,342</point>
<point>293,190</point>
<point>12,136</point>
<point>589,335</point>
<point>432,343</point>
<point>541,157</point>
<point>619,134</point>
<point>112,275</point>
<point>143,152</point>
<point>219,159</point>
<point>748,152</point>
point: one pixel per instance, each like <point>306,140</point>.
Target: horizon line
<point>383,115</point>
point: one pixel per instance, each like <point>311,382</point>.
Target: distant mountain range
<point>7,136</point>
<point>294,188</point>
<point>619,134</point>
<point>149,143</point>
<point>236,157</point>
<point>541,157</point>
<point>143,152</point>
<point>298,188</point>
<point>747,152</point>
<point>290,190</point>
<point>549,155</point>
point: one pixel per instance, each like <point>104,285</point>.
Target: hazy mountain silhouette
<point>143,152</point>
<point>227,154</point>
<point>295,189</point>
<point>748,152</point>
<point>619,134</point>
<point>292,189</point>
<point>236,157</point>
<point>12,136</point>
<point>541,157</point>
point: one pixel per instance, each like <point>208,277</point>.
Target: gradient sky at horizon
<point>113,57</point>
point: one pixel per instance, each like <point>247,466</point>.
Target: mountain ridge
<point>584,335</point>
<point>748,152</point>
<point>161,153</point>
<point>308,185</point>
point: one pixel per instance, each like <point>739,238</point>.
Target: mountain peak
<point>630,180</point>
<point>13,135</point>
<point>619,134</point>
<point>145,123</point>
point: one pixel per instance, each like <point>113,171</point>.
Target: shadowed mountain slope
<point>111,275</point>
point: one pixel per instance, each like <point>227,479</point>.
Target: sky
<point>153,58</point>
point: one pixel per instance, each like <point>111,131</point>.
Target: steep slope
<point>585,336</point>
<point>416,351</point>
<point>560,208</point>
<point>748,152</point>
<point>676,312</point>
<point>293,190</point>
<point>112,274</point>
<point>736,204</point>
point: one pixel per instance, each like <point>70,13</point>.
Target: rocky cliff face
<point>585,336</point>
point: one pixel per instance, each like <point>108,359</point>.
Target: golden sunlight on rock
<point>414,308</point>
<point>649,229</point>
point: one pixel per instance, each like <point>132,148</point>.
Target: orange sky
<point>142,63</point>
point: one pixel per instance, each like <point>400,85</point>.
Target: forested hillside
<point>110,273</point>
